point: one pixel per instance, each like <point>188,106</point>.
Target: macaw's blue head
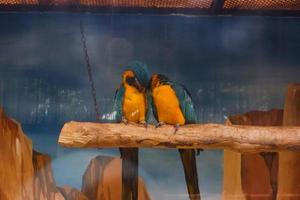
<point>157,80</point>
<point>140,72</point>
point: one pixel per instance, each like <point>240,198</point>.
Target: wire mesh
<point>262,4</point>
<point>183,4</point>
<point>118,3</point>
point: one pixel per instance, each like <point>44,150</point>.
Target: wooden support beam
<point>234,137</point>
<point>288,173</point>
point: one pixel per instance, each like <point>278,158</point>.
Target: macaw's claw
<point>124,120</point>
<point>176,128</point>
<point>159,124</point>
<point>144,123</point>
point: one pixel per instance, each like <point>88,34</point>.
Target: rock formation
<point>24,173</point>
<point>102,180</point>
<point>72,194</point>
<point>289,162</point>
<point>273,117</point>
<point>44,185</point>
<point>252,176</point>
<point>16,169</point>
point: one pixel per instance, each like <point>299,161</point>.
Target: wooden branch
<point>239,138</point>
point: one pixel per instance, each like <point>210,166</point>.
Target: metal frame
<point>216,9</point>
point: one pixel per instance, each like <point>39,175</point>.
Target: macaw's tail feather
<point>129,173</point>
<point>188,159</point>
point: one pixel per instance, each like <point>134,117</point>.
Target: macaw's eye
<point>154,82</point>
<point>131,80</point>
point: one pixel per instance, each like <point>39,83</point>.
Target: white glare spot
<point>135,113</point>
<point>109,116</point>
<point>18,149</point>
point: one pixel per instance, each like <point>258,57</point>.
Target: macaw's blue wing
<point>188,157</point>
<point>151,109</point>
<point>118,104</point>
<point>186,103</point>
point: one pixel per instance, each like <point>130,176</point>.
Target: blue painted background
<point>230,64</point>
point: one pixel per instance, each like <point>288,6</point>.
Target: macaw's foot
<point>144,123</point>
<point>124,120</point>
<point>176,128</point>
<point>159,124</point>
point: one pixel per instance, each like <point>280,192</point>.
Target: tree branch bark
<point>234,137</point>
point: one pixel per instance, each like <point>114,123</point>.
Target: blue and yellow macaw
<point>131,105</point>
<point>172,104</point>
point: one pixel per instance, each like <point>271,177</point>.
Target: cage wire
<point>194,4</point>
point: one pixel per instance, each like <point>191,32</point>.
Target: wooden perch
<point>234,137</point>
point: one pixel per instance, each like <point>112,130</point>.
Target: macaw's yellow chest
<point>134,105</point>
<point>167,105</point>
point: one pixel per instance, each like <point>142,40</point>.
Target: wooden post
<point>289,162</point>
<point>251,176</point>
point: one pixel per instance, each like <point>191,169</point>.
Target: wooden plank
<point>234,137</point>
<point>232,179</point>
<point>289,174</point>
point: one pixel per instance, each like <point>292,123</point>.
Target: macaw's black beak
<point>141,88</point>
<point>135,83</point>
